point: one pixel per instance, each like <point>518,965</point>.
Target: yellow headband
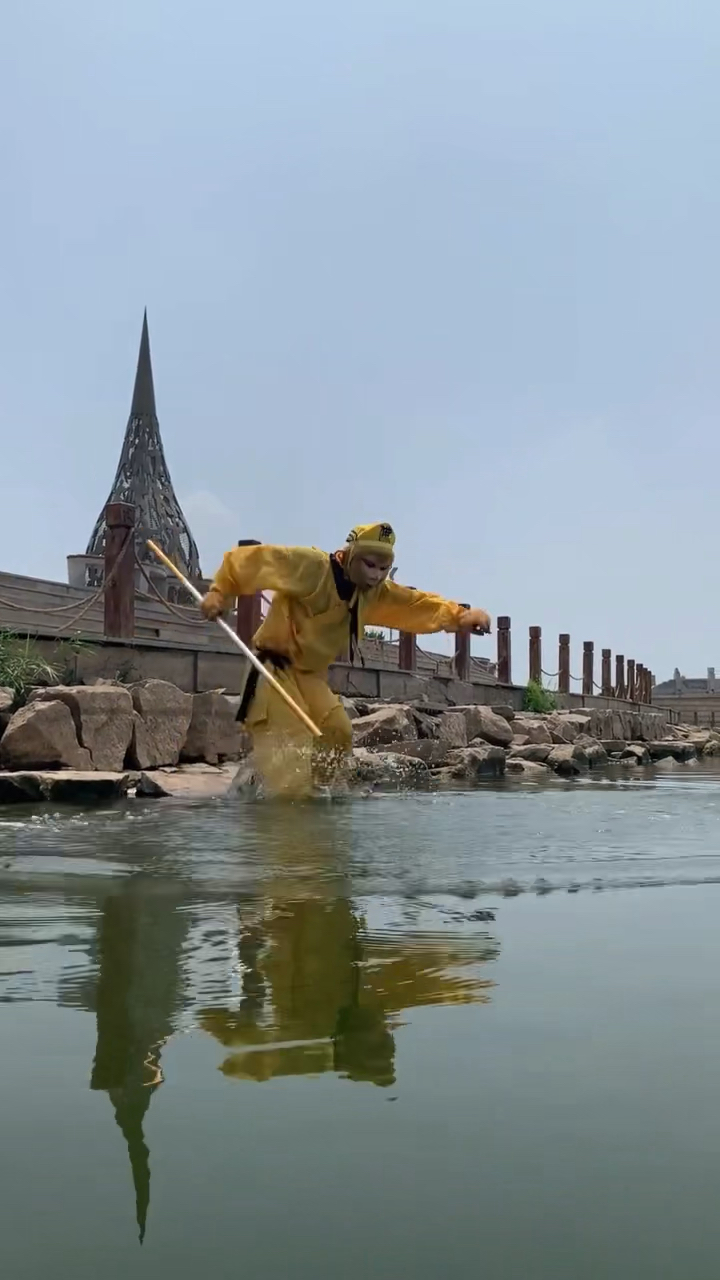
<point>371,539</point>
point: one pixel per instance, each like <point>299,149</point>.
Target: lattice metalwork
<point>143,479</point>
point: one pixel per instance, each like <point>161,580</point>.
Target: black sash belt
<point>265,656</point>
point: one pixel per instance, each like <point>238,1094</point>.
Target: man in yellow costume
<point>321,604</point>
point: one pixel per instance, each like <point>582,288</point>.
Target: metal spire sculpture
<point>143,479</point>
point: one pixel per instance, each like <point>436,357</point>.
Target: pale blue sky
<point>453,265</point>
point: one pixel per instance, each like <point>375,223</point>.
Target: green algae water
<point>412,1036</point>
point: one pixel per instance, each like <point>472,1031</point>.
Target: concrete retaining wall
<point>195,670</point>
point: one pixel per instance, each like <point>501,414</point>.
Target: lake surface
<point>284,1041</point>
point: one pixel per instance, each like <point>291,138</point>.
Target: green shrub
<point>22,666</point>
<point>538,699</point>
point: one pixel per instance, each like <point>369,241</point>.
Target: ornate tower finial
<point>143,479</point>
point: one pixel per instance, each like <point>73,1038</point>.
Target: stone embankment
<point>106,741</point>
<point>451,746</point>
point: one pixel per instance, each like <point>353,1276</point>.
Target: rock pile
<point>101,736</point>
<point>447,746</point>
<point>100,741</point>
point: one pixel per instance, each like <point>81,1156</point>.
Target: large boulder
<point>673,750</point>
<point>472,763</point>
<point>531,727</point>
<point>191,781</point>
<point>388,769</point>
<point>161,720</point>
<point>452,729</point>
<point>504,709</point>
<point>529,770</point>
<point>7,702</point>
<point>433,751</point>
<point>67,786</point>
<point>74,786</point>
<point>19,788</point>
<point>597,756</point>
<point>426,726</point>
<point>386,725</point>
<point>565,726</point>
<point>214,734</point>
<point>103,716</point>
<point>42,735</point>
<point>568,759</point>
<point>483,723</point>
<point>535,752</point>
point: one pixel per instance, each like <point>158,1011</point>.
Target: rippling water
<point>206,1010</point>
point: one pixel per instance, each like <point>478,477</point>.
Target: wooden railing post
<point>535,654</point>
<point>249,608</point>
<point>606,678</point>
<point>462,653</point>
<point>619,676</point>
<point>119,594</point>
<point>564,663</point>
<point>640,683</point>
<point>407,651</point>
<point>630,694</point>
<point>588,676</point>
<point>504,654</point>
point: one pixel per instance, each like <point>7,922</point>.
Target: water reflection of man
<point>319,992</point>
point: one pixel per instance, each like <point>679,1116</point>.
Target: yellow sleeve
<point>414,611</point>
<point>296,571</point>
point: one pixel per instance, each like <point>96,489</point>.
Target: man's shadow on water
<point>320,989</point>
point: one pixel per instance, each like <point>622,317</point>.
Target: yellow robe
<point>309,624</point>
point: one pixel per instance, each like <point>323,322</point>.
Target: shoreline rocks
<point>105,741</point>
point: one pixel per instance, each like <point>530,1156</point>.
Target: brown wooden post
<point>695,717</point>
<point>462,653</point>
<point>643,691</point>
<point>407,651</point>
<point>564,663</point>
<point>639,686</point>
<point>249,616</point>
<point>504,655</point>
<point>535,654</point>
<point>588,676</point>
<point>712,719</point>
<point>606,678</point>
<point>651,686</point>
<point>119,597</point>
<point>249,608</point>
<point>619,676</point>
<point>630,686</point>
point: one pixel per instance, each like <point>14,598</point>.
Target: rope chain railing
<point>95,598</point>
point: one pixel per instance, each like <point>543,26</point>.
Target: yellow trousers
<point>289,759</point>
